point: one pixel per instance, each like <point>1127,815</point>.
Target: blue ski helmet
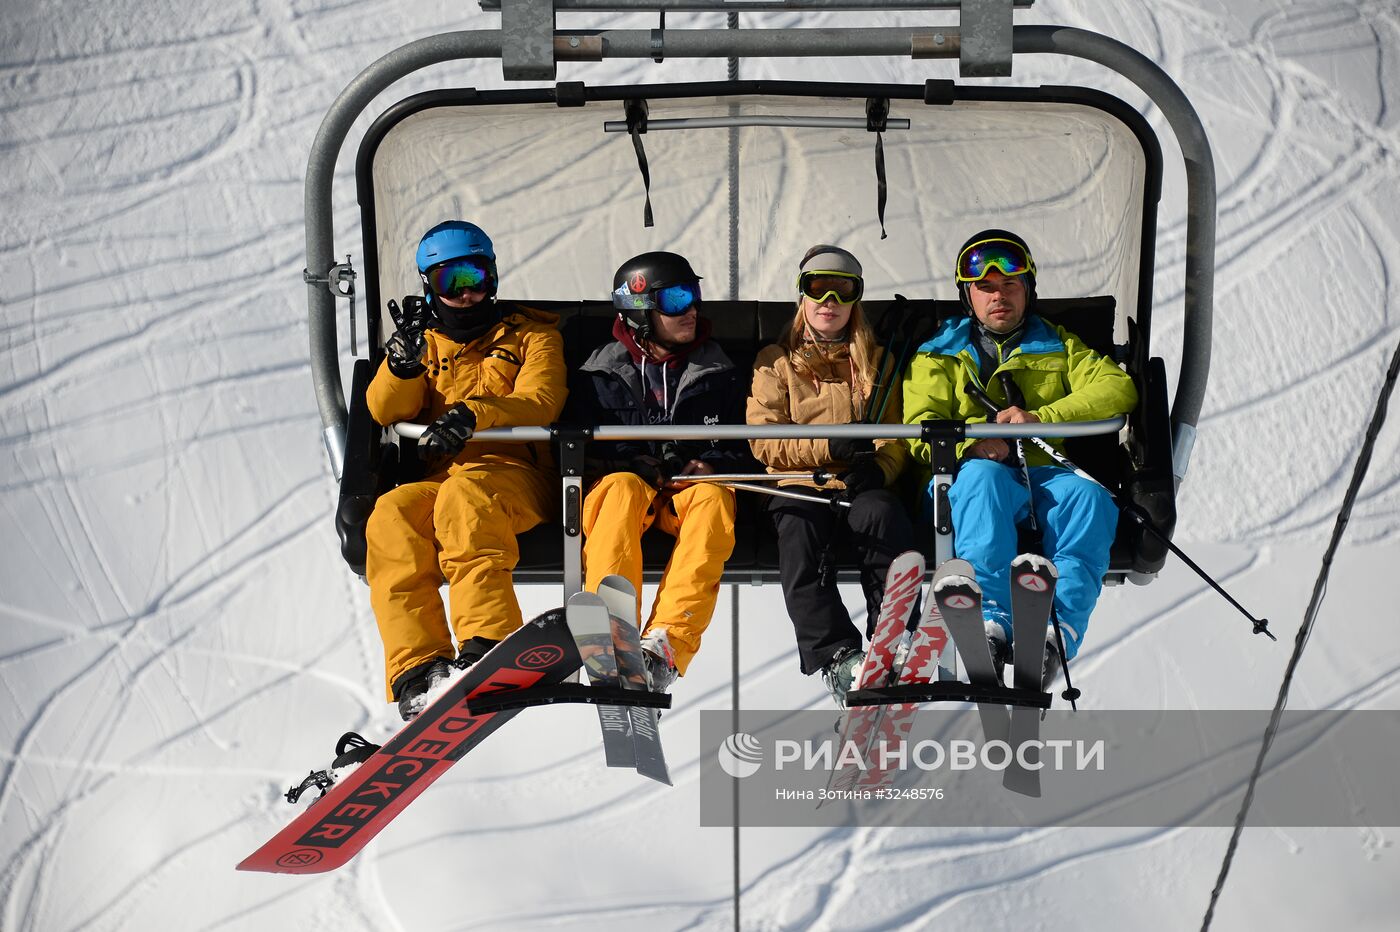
<point>454,239</point>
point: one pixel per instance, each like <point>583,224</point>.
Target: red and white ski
<point>920,665</point>
<point>863,724</point>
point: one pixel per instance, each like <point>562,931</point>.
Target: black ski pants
<point>876,526</point>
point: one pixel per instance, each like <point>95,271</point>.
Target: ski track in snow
<point>182,639</point>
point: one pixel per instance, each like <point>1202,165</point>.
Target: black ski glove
<point>846,449</point>
<point>650,468</point>
<point>865,475</point>
<point>448,434</point>
<point>675,456</point>
<point>405,348</point>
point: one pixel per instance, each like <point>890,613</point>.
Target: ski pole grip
<point>983,399</point>
<point>1014,398</point>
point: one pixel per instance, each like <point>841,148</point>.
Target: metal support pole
<point>572,442</point>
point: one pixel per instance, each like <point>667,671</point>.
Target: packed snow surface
<point>181,640</point>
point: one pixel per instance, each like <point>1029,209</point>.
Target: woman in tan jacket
<point>825,370</point>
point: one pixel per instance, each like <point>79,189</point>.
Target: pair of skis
<point>902,663</point>
<point>959,600</point>
<point>900,653</point>
<point>604,627</point>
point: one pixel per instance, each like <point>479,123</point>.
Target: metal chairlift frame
<point>985,42</point>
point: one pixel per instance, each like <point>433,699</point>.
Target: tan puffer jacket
<point>807,386</point>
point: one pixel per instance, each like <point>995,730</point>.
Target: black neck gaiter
<point>467,323</point>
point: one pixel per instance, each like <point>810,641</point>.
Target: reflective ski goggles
<point>843,286</point>
<point>981,257</point>
<point>455,277</point>
<point>673,300</point>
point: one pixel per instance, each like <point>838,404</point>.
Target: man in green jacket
<point>1036,372</point>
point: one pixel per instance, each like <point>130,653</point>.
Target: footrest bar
<point>949,691</point>
<point>566,692</point>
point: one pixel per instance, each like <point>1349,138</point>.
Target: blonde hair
<point>859,337</point>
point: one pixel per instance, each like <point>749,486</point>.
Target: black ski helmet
<point>983,236</point>
<point>638,279</point>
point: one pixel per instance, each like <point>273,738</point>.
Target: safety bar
<point>662,432</point>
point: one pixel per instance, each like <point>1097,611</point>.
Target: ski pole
<point>1017,400</point>
<point>820,477</point>
<point>1261,625</point>
<point>907,344</point>
<point>1071,694</point>
<point>783,493</point>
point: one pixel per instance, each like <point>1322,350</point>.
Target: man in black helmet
<point>1035,372</point>
<point>661,369</point>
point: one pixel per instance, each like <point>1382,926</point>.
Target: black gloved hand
<point>865,475</point>
<point>448,434</point>
<point>846,449</point>
<point>404,349</point>
<point>650,468</point>
<point>674,457</point>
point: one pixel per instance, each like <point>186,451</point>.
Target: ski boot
<point>660,660</point>
<point>472,651</point>
<point>1001,651</point>
<point>1053,664</point>
<point>415,685</point>
<point>840,673</point>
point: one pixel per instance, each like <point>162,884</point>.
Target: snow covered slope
<point>180,639</point>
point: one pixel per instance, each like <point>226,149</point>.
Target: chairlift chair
<point>743,176</point>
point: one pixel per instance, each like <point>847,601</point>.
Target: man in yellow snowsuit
<point>465,363</point>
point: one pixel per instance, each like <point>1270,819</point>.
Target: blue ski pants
<point>1077,520</point>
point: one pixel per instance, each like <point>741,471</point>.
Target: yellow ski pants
<point>460,528</point>
<point>620,508</point>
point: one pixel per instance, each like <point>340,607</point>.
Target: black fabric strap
<point>877,113</point>
<point>636,111</point>
<point>881,189</point>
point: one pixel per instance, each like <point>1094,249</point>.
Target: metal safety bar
<point>782,431</point>
<point>940,435</point>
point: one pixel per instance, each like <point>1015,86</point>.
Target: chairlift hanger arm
<point>1200,206</point>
